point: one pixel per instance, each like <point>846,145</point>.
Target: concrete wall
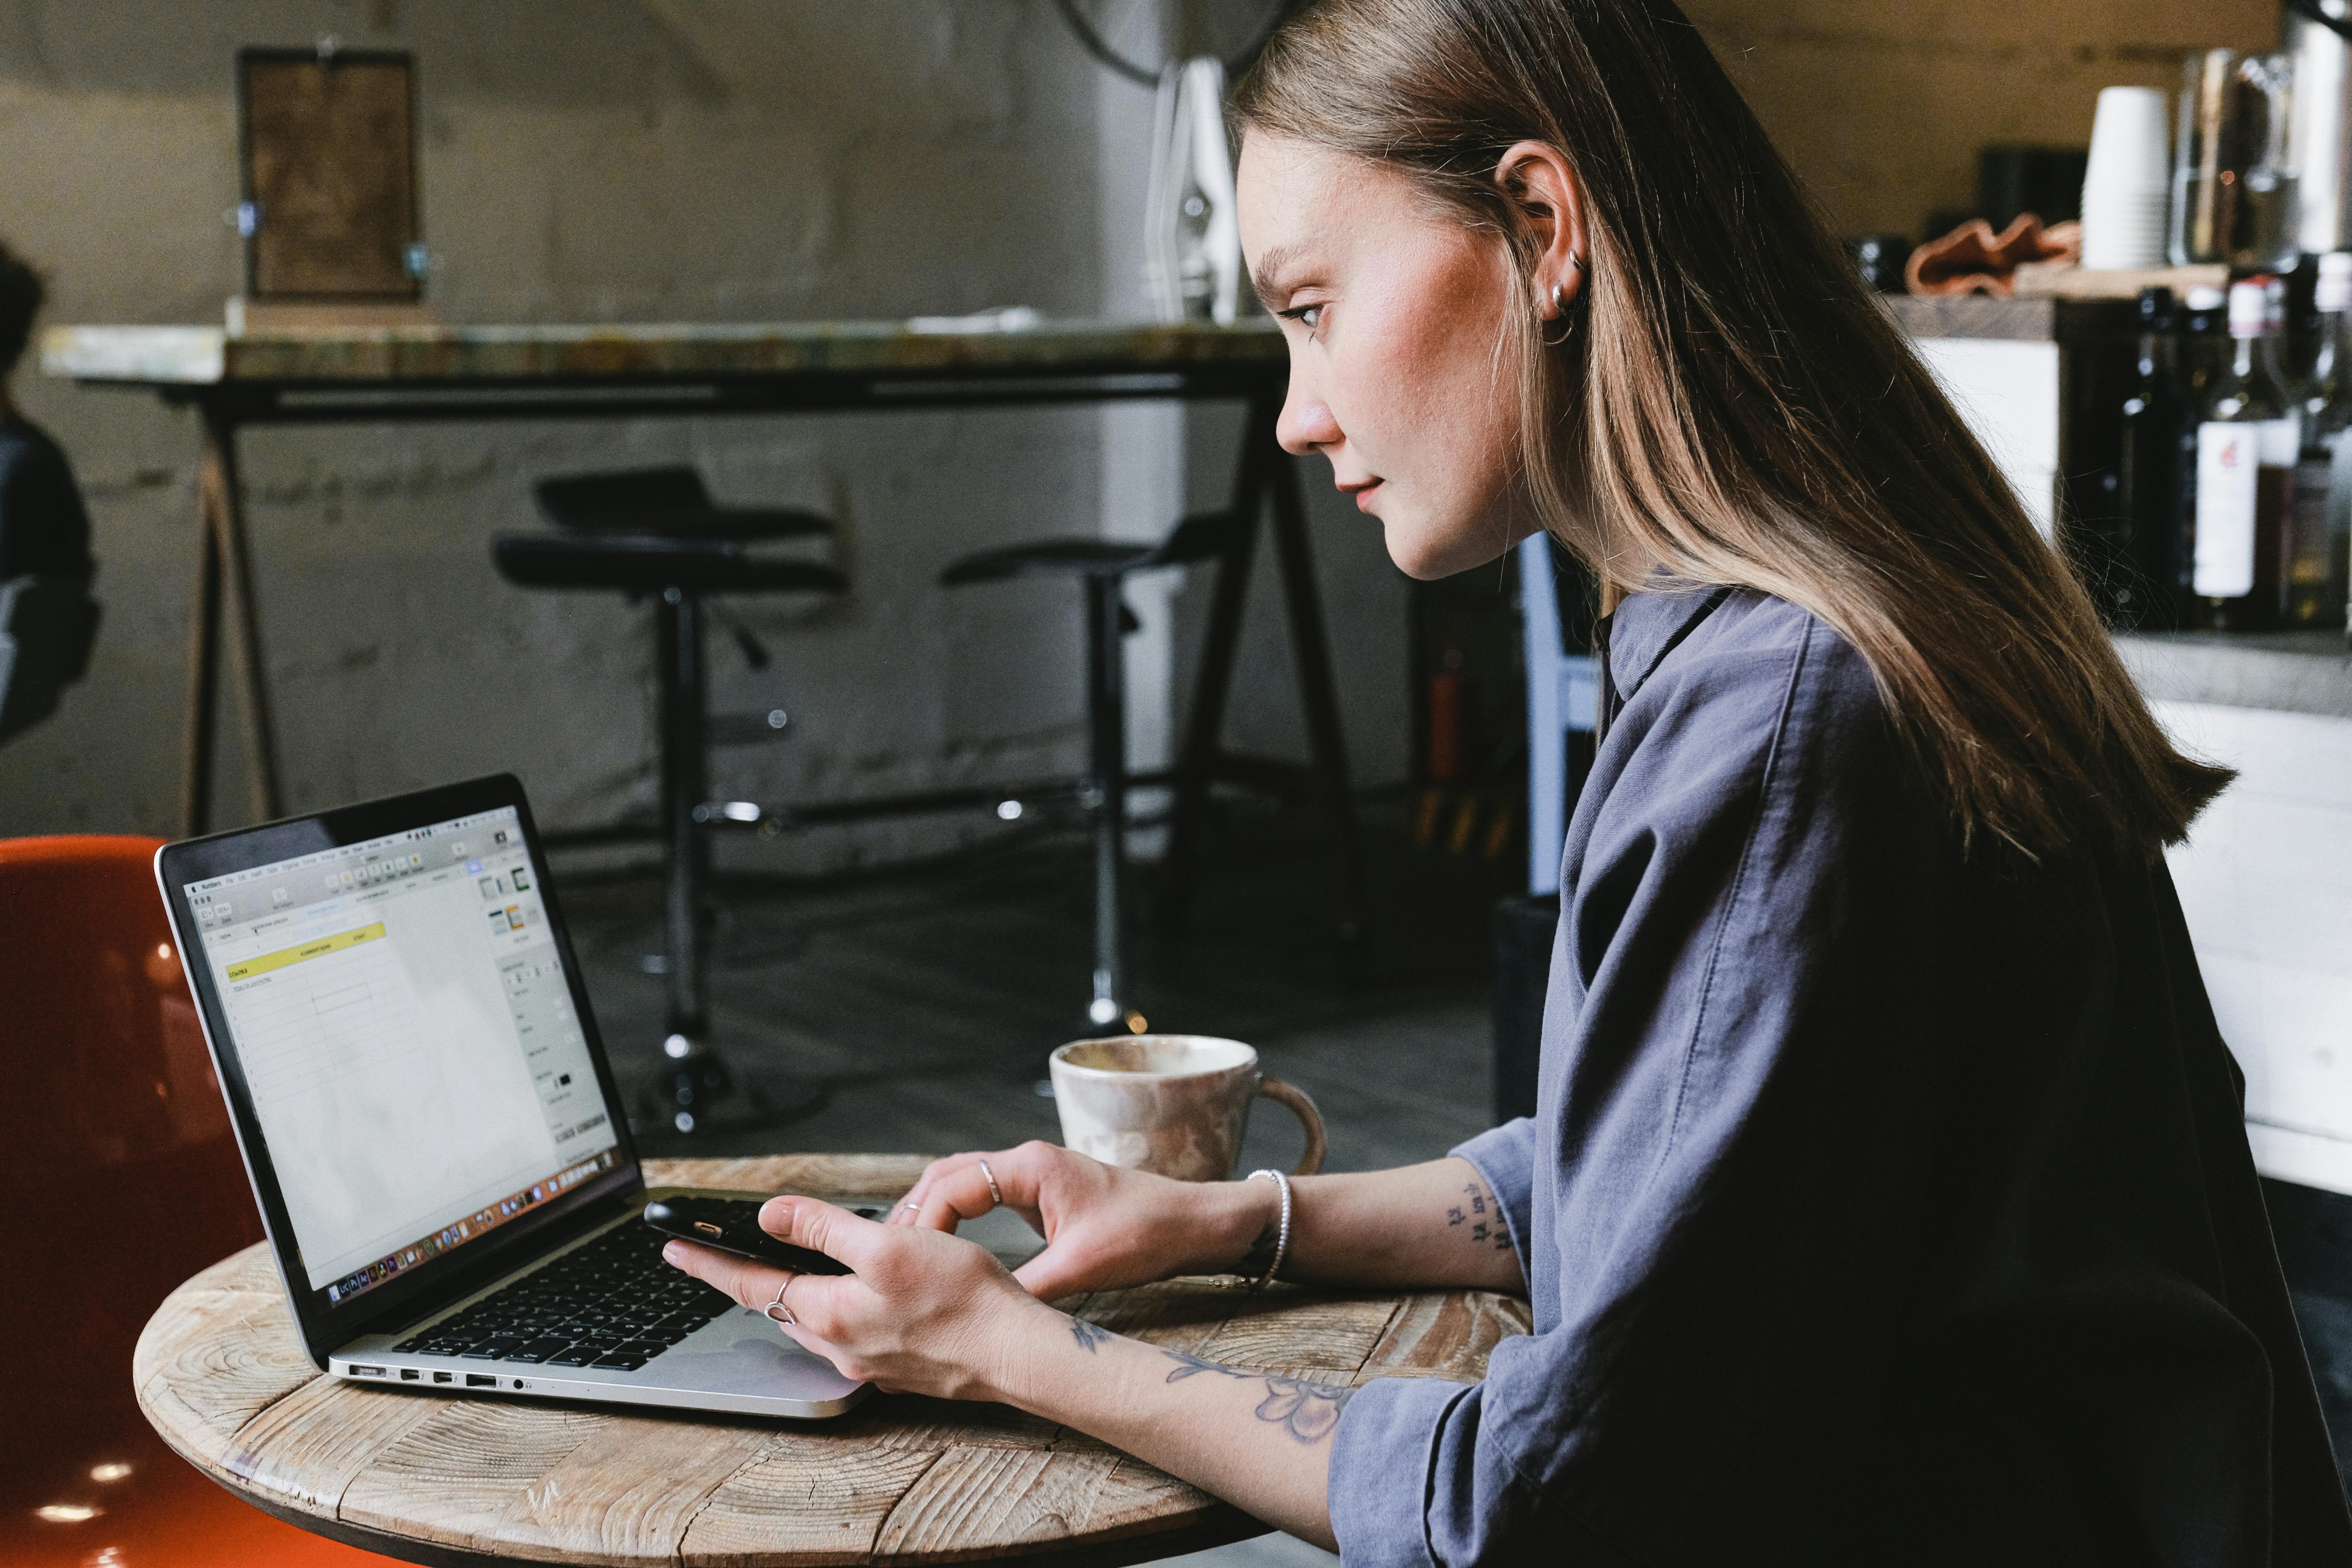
<point>609,159</point>
<point>1881,104</point>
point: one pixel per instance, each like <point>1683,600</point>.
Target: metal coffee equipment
<point>2316,36</point>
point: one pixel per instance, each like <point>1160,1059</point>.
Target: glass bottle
<point>2275,350</point>
<point>2201,352</point>
<point>2319,520</point>
<point>2147,470</point>
<point>2246,444</point>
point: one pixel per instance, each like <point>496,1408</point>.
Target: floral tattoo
<point>1308,1411</point>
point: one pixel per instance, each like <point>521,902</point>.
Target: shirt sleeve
<point>1751,885</point>
<point>1392,1417</point>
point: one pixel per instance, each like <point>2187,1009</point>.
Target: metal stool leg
<point>696,1091</point>
<point>1106,792</point>
<point>693,1076</point>
<point>685,769</point>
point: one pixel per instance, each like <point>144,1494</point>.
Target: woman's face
<point>1395,317</point>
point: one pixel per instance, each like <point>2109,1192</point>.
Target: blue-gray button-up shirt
<point>1882,1205</point>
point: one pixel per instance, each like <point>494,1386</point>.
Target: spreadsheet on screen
<point>400,1013</point>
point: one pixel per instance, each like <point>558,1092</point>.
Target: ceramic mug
<point>1171,1104</point>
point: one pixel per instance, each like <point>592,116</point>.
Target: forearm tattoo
<point>1088,1335</point>
<point>1478,1218</point>
<point>1309,1412</point>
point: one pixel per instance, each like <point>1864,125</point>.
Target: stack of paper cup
<point>2126,184</point>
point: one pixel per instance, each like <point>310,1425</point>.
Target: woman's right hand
<point>1105,1227</point>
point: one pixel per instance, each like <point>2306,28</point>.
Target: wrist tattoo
<point>1308,1411</point>
<point>1088,1335</point>
<point>1479,1218</point>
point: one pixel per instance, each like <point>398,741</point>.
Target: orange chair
<point>121,1179</point>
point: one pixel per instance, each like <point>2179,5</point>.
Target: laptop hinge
<point>464,1283</point>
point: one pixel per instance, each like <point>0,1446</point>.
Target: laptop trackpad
<point>743,1353</point>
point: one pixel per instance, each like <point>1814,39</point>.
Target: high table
<point>222,1374</point>
<point>387,375</point>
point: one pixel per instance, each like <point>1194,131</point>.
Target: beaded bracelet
<point>1282,1235</point>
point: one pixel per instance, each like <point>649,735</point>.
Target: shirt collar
<point>1648,625</point>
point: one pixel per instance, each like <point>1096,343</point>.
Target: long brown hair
<point>1732,406</point>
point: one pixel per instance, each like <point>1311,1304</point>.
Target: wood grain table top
<point>222,1374</point>
<point>192,356</point>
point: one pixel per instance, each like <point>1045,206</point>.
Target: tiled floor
<point>924,1003</point>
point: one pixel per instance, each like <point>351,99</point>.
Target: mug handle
<point>1310,1120</point>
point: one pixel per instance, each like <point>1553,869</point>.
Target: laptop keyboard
<point>612,1303</point>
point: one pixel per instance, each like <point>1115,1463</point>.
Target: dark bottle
<point>2319,520</point>
<point>2201,352</point>
<point>2146,594</point>
<point>2246,444</point>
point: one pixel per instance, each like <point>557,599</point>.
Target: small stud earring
<point>1559,297</point>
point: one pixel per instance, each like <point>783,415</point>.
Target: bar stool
<point>655,531</point>
<point>1104,565</point>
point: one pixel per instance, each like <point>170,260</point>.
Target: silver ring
<point>912,1208</point>
<point>773,1308</point>
<point>995,1192</point>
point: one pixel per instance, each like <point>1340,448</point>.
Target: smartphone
<point>733,1225</point>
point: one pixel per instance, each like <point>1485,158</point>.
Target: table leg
<point>1311,652</point>
<point>204,663</point>
<point>1196,767</point>
<point>225,523</point>
<point>1264,473</point>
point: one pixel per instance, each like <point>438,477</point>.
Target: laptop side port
<point>409,1374</point>
<point>367,1372</point>
<point>480,1380</point>
<point>444,1377</point>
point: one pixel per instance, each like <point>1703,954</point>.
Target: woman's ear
<point>1537,178</point>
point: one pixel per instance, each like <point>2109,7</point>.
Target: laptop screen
<point>400,1013</point>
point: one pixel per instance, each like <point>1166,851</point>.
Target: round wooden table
<point>223,1376</point>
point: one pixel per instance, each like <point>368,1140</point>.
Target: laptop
<point>443,1165</point>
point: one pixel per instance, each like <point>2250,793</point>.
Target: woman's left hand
<point>922,1311</point>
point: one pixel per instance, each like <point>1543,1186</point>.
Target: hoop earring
<point>1560,310</point>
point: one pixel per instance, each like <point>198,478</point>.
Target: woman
<point>1887,1201</point>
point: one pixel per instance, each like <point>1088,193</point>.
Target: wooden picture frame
<point>328,144</point>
